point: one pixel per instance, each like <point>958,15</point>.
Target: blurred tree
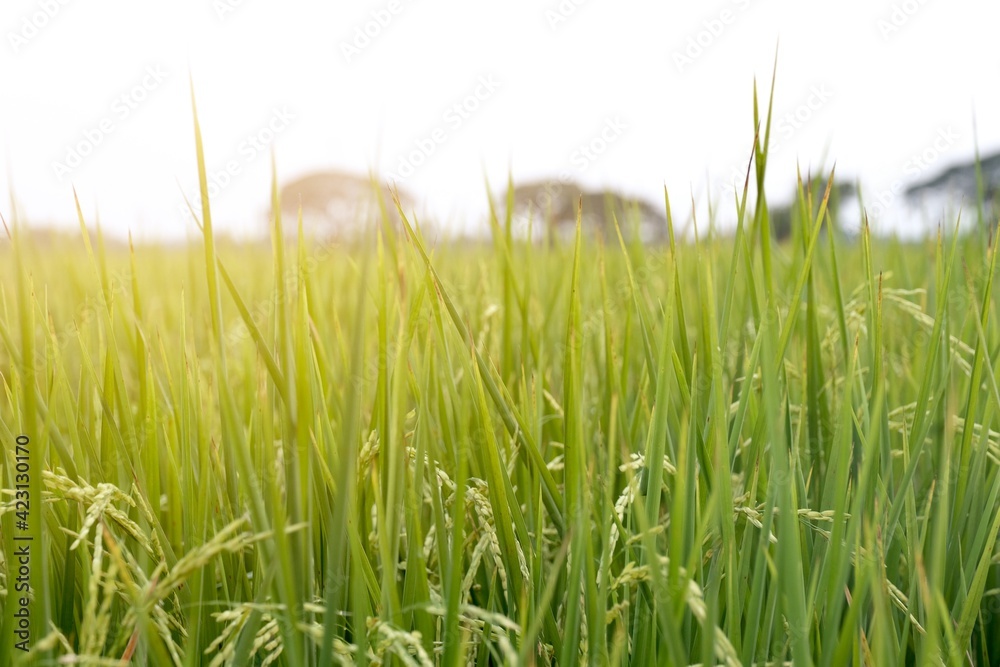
<point>551,207</point>
<point>339,204</point>
<point>961,183</point>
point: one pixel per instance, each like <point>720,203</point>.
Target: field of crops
<point>722,451</point>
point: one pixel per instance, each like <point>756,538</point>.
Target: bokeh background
<point>442,95</point>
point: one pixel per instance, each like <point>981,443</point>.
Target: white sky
<point>883,94</point>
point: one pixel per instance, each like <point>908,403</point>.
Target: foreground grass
<point>717,452</point>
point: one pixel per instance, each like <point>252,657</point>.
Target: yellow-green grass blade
<point>511,417</point>
<point>234,444</point>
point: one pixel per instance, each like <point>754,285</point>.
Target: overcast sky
<point>441,94</point>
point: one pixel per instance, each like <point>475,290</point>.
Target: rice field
<point>726,450</point>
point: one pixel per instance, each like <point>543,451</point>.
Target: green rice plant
<point>727,450</point>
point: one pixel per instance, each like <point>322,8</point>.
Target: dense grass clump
<point>723,451</point>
